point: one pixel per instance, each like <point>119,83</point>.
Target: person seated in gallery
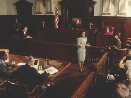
<point>24,34</point>
<point>117,41</point>
<point>5,73</point>
<point>77,24</point>
<point>107,31</point>
<point>26,74</point>
<point>112,30</point>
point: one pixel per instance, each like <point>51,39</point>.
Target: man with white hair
<point>28,75</point>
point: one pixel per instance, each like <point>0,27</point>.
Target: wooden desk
<point>60,65</point>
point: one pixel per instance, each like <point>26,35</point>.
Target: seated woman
<point>107,32</point>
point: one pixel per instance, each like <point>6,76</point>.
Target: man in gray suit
<point>4,72</point>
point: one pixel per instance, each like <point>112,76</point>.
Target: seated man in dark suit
<point>77,25</point>
<point>24,34</point>
<point>4,72</point>
<point>28,75</point>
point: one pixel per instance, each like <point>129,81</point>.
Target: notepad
<point>51,70</point>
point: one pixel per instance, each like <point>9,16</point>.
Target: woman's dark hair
<point>116,34</point>
<point>80,34</point>
<point>106,28</point>
<point>2,53</point>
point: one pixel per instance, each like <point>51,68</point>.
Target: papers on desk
<point>51,70</point>
<point>21,64</point>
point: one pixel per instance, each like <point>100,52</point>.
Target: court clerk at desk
<point>24,34</point>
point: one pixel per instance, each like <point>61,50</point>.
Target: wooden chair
<point>16,90</point>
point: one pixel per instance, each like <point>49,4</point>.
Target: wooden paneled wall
<point>32,22</point>
<point>120,24</point>
<point>61,35</point>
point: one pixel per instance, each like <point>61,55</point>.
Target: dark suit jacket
<point>29,76</point>
<point>4,73</point>
<point>17,25</point>
<point>22,35</point>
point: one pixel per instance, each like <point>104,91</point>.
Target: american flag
<point>56,19</point>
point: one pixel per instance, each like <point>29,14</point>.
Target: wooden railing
<point>116,55</point>
<point>94,53</point>
<point>84,89</point>
<point>61,51</point>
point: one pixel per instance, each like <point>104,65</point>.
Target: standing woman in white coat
<point>81,44</point>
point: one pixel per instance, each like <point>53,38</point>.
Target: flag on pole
<point>56,18</point>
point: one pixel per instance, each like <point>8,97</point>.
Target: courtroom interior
<point>65,49</point>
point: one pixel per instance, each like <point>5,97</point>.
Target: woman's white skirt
<point>81,56</point>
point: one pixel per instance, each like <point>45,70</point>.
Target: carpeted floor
<point>66,82</point>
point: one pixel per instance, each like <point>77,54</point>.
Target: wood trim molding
<point>79,93</point>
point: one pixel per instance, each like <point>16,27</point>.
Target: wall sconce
<point>90,24</point>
